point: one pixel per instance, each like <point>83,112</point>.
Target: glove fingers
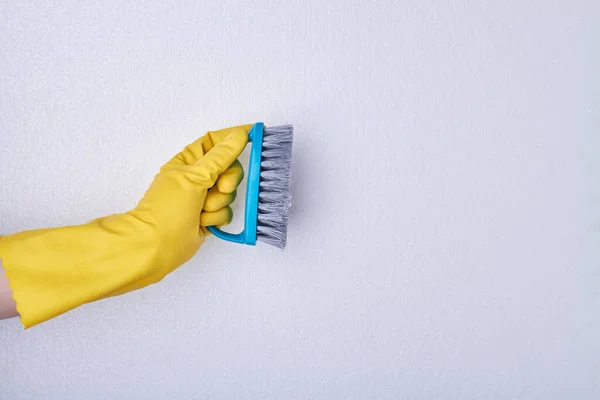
<point>217,137</point>
<point>229,180</point>
<point>223,155</point>
<point>205,172</point>
<point>215,200</point>
<point>192,152</point>
<point>196,150</point>
<point>216,218</point>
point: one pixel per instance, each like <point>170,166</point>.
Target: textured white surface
<point>445,235</point>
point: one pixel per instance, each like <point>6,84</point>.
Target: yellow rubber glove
<point>52,271</point>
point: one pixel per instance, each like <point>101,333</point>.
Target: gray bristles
<point>274,198</point>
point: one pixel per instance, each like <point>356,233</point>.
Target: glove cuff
<point>52,271</point>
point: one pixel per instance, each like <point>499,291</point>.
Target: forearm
<point>54,270</point>
<point>8,308</point>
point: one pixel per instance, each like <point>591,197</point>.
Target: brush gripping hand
<point>248,235</point>
<point>52,271</point>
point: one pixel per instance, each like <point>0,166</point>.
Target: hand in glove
<point>52,271</point>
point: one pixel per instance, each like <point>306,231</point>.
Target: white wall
<point>444,241</point>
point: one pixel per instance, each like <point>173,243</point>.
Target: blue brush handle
<point>248,235</point>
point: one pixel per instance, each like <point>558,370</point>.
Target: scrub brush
<point>268,196</point>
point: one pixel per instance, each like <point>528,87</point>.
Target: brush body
<point>274,197</point>
<point>268,197</point>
